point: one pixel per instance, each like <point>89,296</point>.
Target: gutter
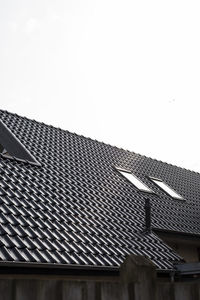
<point>188,268</point>
<point>11,267</point>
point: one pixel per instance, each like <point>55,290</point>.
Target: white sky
<point>123,72</point>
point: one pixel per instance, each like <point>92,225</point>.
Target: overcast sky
<point>123,72</point>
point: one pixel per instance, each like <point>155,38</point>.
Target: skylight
<point>166,188</point>
<point>135,181</point>
<point>11,147</point>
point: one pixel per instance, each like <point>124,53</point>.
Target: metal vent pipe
<point>147,208</point>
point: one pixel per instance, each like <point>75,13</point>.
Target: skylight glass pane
<point>167,189</point>
<point>137,183</point>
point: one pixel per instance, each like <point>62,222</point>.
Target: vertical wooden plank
<point>50,289</point>
<point>98,291</point>
<point>124,292</point>
<point>185,291</point>
<point>198,290</point>
<point>89,291</point>
<point>7,289</point>
<point>132,294</point>
<point>26,289</point>
<point>113,291</point>
<point>165,291</point>
<point>73,290</point>
<point>140,271</point>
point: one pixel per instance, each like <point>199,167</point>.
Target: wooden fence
<point>137,281</point>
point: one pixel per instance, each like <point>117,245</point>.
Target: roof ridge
<point>101,142</point>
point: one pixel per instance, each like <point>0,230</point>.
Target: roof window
<point>134,180</point>
<point>11,147</point>
<point>166,188</point>
<point>4,151</point>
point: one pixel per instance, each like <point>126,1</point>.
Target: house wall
<point>187,247</point>
<point>188,252</point>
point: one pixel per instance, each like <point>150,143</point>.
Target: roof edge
<point>56,265</point>
<point>16,267</point>
<point>21,268</point>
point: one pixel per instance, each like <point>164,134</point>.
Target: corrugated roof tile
<point>76,209</point>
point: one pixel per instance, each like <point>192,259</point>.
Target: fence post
<point>139,274</point>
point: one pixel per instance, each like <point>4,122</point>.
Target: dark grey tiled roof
<point>77,209</point>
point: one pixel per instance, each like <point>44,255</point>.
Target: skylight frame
<point>138,183</point>
<point>166,188</point>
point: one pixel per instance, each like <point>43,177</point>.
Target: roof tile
<point>76,209</point>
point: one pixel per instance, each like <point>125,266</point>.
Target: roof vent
<point>147,208</point>
<point>11,147</point>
